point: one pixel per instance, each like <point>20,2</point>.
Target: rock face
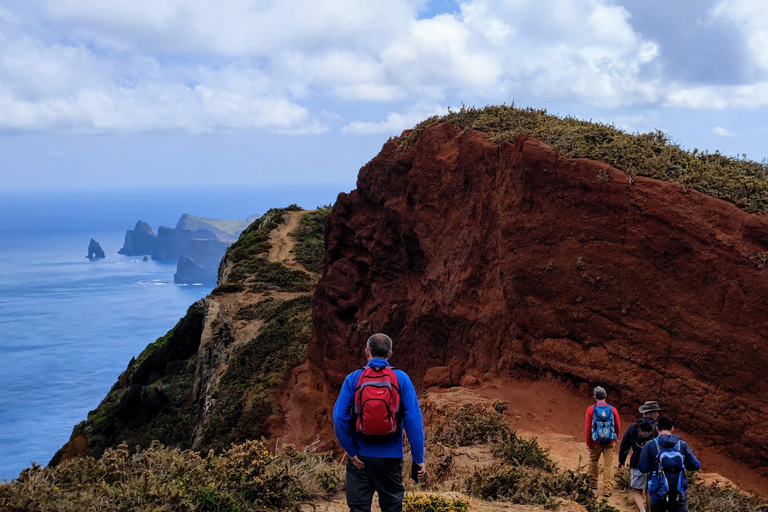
<point>509,259</point>
<point>94,251</point>
<point>140,240</point>
<point>200,263</point>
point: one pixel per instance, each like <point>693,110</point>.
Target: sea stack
<point>94,251</point>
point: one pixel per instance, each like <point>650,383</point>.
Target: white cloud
<point>202,65</point>
<point>749,18</point>
<point>395,122</point>
<point>722,132</point>
<point>719,97</point>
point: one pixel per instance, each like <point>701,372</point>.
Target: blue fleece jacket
<point>649,461</point>
<point>390,448</point>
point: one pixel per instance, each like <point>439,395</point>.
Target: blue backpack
<point>603,426</point>
<point>669,460</point>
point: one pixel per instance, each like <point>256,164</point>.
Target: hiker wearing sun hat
<point>639,433</point>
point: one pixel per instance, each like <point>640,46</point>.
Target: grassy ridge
<point>740,181</point>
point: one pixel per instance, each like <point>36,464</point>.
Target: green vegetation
<point>740,181</point>
<point>250,265</point>
<point>244,477</point>
<point>310,243</point>
<point>254,239</point>
<point>712,498</point>
<point>468,425</point>
<point>245,400</point>
<point>429,503</point>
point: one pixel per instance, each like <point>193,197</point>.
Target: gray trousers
<point>384,476</point>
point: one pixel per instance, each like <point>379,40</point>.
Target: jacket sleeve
<point>412,420</point>
<point>691,462</point>
<point>342,415</point>
<point>617,421</point>
<point>588,423</point>
<point>626,443</point>
<point>645,464</point>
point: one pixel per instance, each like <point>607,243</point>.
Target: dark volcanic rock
<point>510,259</point>
<point>200,263</point>
<point>94,251</point>
<point>170,244</point>
<point>139,240</point>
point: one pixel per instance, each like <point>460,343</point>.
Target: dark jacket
<point>649,459</point>
<point>631,441</point>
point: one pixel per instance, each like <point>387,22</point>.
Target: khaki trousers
<point>594,469</point>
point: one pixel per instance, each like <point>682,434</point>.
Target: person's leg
<point>608,470</point>
<point>359,488</point>
<point>387,477</point>
<point>594,467</point>
<point>638,483</point>
<point>658,505</point>
<point>676,506</point>
<point>639,497</point>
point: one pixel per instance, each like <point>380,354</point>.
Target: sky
<point>138,93</point>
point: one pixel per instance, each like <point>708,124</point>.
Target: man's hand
<point>589,447</point>
<point>422,471</point>
<point>357,462</point>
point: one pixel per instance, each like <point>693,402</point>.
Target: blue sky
<point>126,93</point>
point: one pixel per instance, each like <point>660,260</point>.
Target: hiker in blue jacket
<point>667,489</point>
<point>375,405</point>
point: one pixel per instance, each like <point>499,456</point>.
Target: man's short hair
<point>380,345</point>
<point>600,393</point>
<point>665,423</point>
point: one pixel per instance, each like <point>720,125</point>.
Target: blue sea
<point>69,326</point>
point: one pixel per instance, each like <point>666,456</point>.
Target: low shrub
<point>531,486</point>
<point>431,503</point>
<point>718,498</point>
<point>246,477</point>
<point>469,425</point>
<point>310,242</point>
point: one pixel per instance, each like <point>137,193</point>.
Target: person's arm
<point>617,421</point>
<point>412,420</point>
<point>691,462</point>
<point>644,464</point>
<point>342,415</point>
<point>626,444</point>
<point>588,424</point>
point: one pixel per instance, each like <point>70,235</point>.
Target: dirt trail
<point>554,413</point>
<point>282,243</point>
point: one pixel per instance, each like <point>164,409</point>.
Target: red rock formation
<point>510,259</point>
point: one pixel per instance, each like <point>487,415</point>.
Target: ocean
<point>69,326</point>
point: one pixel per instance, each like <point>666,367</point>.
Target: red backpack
<point>377,401</point>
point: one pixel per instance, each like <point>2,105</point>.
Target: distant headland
<point>196,243</point>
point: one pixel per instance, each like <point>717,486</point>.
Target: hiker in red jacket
<point>602,430</point>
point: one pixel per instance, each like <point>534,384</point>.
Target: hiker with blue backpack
<point>667,458</point>
<point>375,405</point>
<point>636,436</point>
<point>602,428</point>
